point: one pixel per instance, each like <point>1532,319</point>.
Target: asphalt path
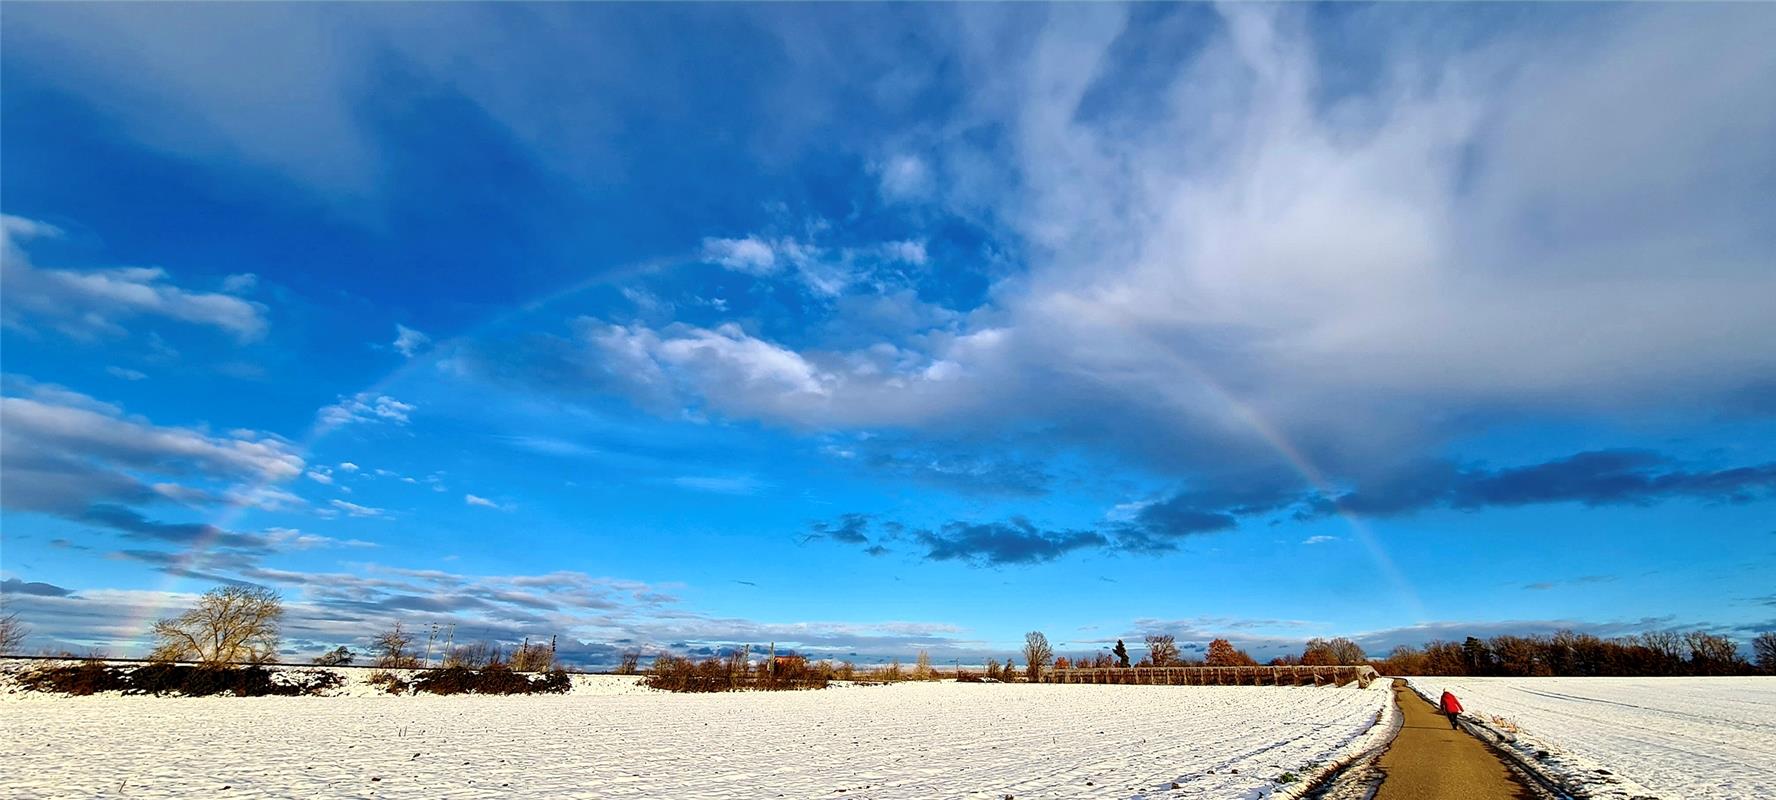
<point>1430,761</point>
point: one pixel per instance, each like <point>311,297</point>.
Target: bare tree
<point>1037,654</point>
<point>1162,650</point>
<point>630,661</point>
<point>12,632</point>
<point>1333,652</point>
<point>1764,647</point>
<point>922,667</point>
<point>391,648</point>
<point>1712,654</point>
<point>340,656</point>
<point>229,625</point>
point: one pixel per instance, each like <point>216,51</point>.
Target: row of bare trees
<point>241,625</point>
<point>237,624</point>
<point>1567,653</point>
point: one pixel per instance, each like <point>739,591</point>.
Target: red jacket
<point>1450,704</point>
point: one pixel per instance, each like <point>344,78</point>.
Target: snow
<point>611,738</point>
<point>1677,738</point>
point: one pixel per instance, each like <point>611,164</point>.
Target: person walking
<point>1450,707</point>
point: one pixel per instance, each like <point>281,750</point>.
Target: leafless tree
<point>630,661</point>
<point>391,648</point>
<point>229,625</point>
<point>12,632</point>
<point>1037,654</point>
<point>1764,647</point>
<point>1162,650</point>
<point>340,656</point>
<point>1333,652</point>
<point>1712,654</point>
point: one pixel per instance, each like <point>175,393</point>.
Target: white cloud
<point>355,510</point>
<point>905,177</point>
<point>909,251</point>
<point>1239,253</point>
<point>124,373</point>
<point>91,303</point>
<point>62,445</point>
<point>347,466</point>
<point>240,284</point>
<point>750,255</point>
<point>477,500</point>
<point>409,341</point>
<point>293,539</point>
<point>1319,539</point>
<point>828,271</point>
<point>364,407</point>
<point>320,475</point>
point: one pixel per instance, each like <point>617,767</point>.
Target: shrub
<point>492,679</point>
<point>674,674</point>
<point>533,657</point>
<point>178,679</point>
<point>389,681</point>
<point>90,677</point>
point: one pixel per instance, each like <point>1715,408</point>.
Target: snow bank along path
<point>919,740</point>
<point>1677,738</point>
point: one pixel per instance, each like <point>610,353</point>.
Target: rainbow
<point>1267,432</point>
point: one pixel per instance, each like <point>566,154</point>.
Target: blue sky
<point>869,329</point>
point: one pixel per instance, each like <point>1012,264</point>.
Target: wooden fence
<point>1216,676</point>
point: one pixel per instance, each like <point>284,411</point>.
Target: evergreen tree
<point>1121,652</point>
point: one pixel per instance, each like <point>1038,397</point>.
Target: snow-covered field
<point>609,738</point>
<point>1677,738</point>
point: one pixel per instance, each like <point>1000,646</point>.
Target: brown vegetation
<point>1222,654</point>
<point>202,680</point>
<point>491,679</point>
<point>676,674</point>
<point>1567,653</point>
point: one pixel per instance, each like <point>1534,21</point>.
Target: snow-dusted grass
<point>609,738</point>
<point>1678,738</point>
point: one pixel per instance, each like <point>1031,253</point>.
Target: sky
<point>866,329</point>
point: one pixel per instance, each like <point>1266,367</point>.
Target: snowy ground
<point>611,739</point>
<point>1677,738</point>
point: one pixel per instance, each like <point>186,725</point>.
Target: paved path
<point>1429,761</point>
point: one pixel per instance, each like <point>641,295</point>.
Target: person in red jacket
<point>1450,707</point>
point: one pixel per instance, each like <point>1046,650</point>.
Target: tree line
<point>241,625</point>
<point>1566,653</point>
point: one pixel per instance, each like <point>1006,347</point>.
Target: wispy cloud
<point>364,407</point>
<point>409,342</point>
<point>91,303</point>
<point>477,500</point>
